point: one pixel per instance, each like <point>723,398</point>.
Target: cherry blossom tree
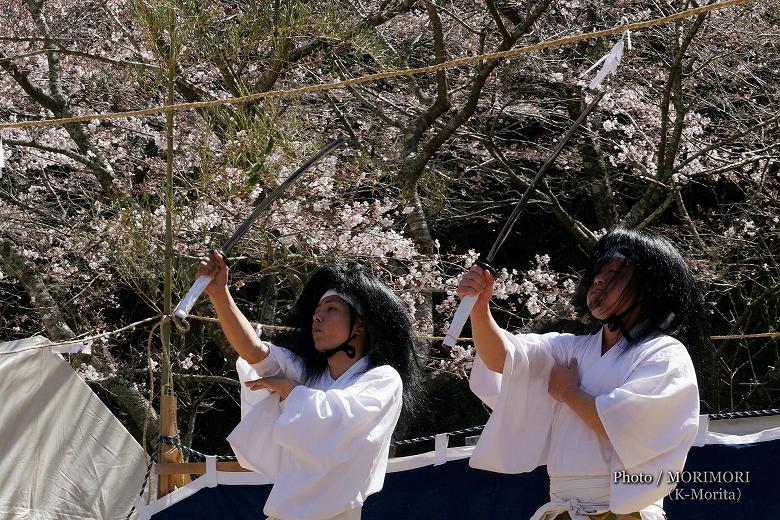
<point>685,141</point>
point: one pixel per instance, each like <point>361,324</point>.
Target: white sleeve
<point>335,443</point>
<point>651,421</point>
<point>252,439</point>
<point>280,362</point>
<point>339,419</point>
<point>517,435</point>
<point>485,383</point>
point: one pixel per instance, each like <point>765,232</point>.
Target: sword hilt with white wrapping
<point>462,313</point>
<point>201,282</point>
<point>186,304</point>
<point>467,303</point>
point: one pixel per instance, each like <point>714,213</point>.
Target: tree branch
<point>25,271</point>
<point>497,17</point>
<point>67,153</point>
<point>667,147</point>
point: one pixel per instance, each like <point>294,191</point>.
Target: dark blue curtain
<point>455,491</point>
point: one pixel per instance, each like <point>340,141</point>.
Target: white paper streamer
<point>73,347</point>
<point>610,61</point>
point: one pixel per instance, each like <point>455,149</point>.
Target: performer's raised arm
<point>488,337</point>
<point>236,327</point>
<point>319,410</point>
<point>588,407</point>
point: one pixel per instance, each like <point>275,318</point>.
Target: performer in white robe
<point>317,418</point>
<point>612,414</point>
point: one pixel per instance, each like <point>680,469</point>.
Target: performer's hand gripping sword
<point>185,306</point>
<point>611,61</point>
<point>467,302</point>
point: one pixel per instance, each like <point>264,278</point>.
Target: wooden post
<point>169,453</point>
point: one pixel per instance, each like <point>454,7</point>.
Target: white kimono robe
<point>326,445</point>
<point>647,399</point>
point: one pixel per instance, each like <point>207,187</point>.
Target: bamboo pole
<point>168,401</point>
<point>165,373</point>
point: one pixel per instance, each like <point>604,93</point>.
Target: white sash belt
<point>349,514</point>
<point>579,496</point>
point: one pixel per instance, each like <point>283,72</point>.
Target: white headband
<point>347,298</point>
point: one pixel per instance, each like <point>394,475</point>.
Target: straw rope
<point>174,441</point>
<point>467,60</point>
<point>464,339</point>
<point>150,368</point>
<point>746,336</point>
<point>160,319</point>
<point>86,339</point>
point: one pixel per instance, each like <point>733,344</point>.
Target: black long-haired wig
<point>666,290</point>
<point>386,325</point>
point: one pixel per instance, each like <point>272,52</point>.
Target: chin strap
<point>348,349</point>
<point>615,322</point>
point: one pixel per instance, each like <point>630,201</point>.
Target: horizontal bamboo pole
<point>195,468</point>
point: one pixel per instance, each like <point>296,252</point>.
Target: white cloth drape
<point>63,453</point>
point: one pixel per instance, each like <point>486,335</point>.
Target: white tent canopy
<point>63,454</point>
